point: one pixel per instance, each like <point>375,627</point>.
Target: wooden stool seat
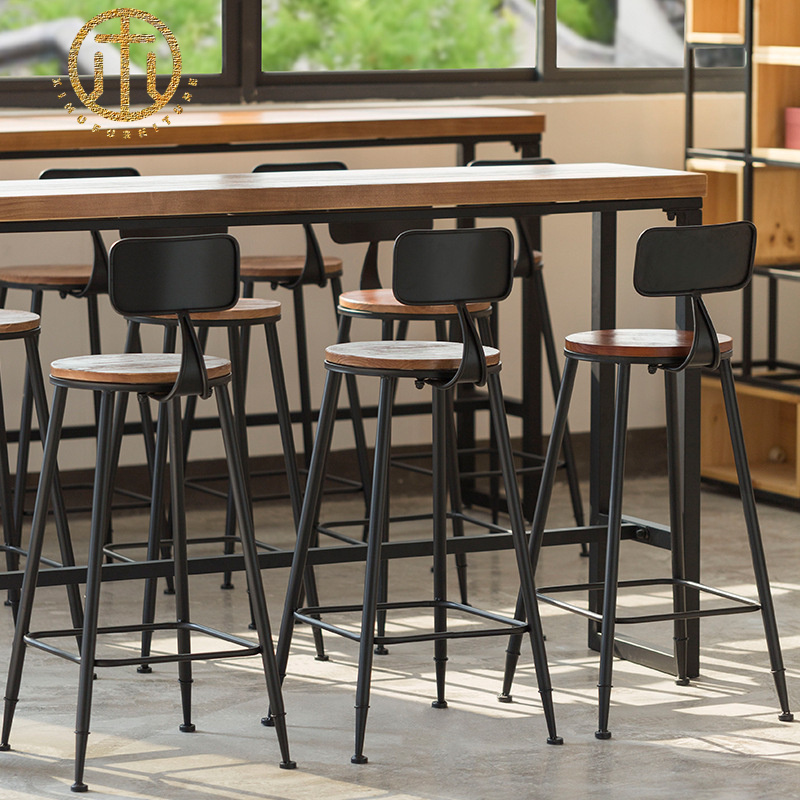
<point>383,301</point>
<point>405,356</point>
<point>131,368</point>
<point>12,321</point>
<point>283,268</point>
<point>637,343</point>
<point>69,276</point>
<point>247,309</point>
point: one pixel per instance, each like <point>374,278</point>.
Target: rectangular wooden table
<point>603,190</point>
<point>277,127</point>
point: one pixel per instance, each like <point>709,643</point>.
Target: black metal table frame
<point>685,211</point>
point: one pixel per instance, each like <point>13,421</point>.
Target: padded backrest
<point>464,265</point>
<point>174,274</point>
<point>694,259</point>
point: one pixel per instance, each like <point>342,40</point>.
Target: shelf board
<point>785,56</point>
<point>778,156</point>
<point>728,39</point>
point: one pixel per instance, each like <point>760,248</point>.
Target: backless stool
<point>169,275</point>
<point>430,268</point>
<point>294,273</point>
<point>670,262</point>
<point>74,280</point>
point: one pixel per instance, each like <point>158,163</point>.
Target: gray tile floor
<point>718,738</point>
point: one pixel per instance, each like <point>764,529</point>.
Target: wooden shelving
<point>715,21</point>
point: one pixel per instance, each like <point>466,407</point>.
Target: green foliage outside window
<point>592,19</point>
<point>385,34</point>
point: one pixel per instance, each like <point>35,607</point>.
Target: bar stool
<point>295,273</point>
<point>169,275</point>
<point>24,325</point>
<point>670,262</point>
<point>430,267</point>
<point>82,281</point>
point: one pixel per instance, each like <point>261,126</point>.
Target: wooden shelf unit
<point>715,21</point>
<point>771,422</point>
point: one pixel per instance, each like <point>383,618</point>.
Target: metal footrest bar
<point>113,550</point>
<point>745,605</point>
<point>34,639</point>
<point>312,616</point>
<point>402,462</point>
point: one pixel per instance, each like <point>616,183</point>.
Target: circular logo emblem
<point>124,39</point>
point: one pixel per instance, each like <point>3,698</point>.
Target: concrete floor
<point>718,738</point>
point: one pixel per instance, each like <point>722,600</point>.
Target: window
<point>249,50</point>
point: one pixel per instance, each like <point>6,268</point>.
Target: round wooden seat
<point>638,343</point>
<point>247,309</point>
<point>406,356</point>
<point>12,321</point>
<point>69,276</point>
<point>131,368</point>
<point>383,301</point>
<point>283,268</point>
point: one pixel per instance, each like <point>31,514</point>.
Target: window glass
<point>36,35</point>
<point>350,35</point>
<point>620,33</point>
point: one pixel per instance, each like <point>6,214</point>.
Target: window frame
<point>242,81</point>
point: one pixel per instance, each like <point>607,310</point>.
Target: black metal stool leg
<point>674,467</point>
<point>377,522</point>
<point>454,488</point>
<point>540,513</point>
<point>524,563</point>
<point>176,451</point>
<point>303,376</point>
<point>754,538</point>
<point>440,427</point>
<point>258,602</point>
<point>22,627</point>
<point>100,515</point>
<point>612,551</point>
<point>11,534</point>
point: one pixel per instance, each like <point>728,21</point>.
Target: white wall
<point>645,130</point>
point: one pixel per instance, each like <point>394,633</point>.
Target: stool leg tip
<point>79,787</point>
<point>323,657</point>
<point>683,682</point>
<point>786,717</point>
<point>555,740</point>
<point>380,650</point>
<point>187,728</point>
<point>288,764</point>
<point>144,669</point>
<point>505,698</point>
<point>5,747</point>
<point>268,722</point>
<point>226,586</point>
<point>359,759</point>
<point>602,734</point>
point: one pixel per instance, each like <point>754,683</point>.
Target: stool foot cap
<point>226,586</point>
<point>288,764</point>
<point>359,760</point>
<point>505,698</point>
<point>5,747</point>
<point>268,722</point>
<point>8,604</point>
<point>169,591</point>
<point>380,650</point>
<point>79,787</point>
<point>187,728</point>
<point>602,734</point>
<point>555,740</point>
<point>786,717</point>
<point>144,669</point>
<point>323,657</point>
<point>439,704</point>
<point>683,682</point>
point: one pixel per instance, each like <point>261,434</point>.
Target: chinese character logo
<point>124,39</point>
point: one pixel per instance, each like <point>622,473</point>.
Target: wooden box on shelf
<point>776,198</point>
<point>715,21</point>
<point>771,423</point>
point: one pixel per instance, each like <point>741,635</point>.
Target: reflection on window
<point>35,35</point>
<point>345,35</point>
<point>620,33</point>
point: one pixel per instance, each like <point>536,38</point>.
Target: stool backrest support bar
<point>176,275</point>
<point>692,260</point>
<point>98,280</point>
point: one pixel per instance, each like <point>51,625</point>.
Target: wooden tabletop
<point>337,190</point>
<point>274,124</point>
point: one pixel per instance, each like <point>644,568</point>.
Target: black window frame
<point>242,81</point>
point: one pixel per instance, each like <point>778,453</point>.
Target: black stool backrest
<point>465,265</point>
<point>692,260</point>
<point>98,280</point>
<point>314,268</point>
<point>176,275</point>
<point>527,230</point>
<point>373,233</point>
